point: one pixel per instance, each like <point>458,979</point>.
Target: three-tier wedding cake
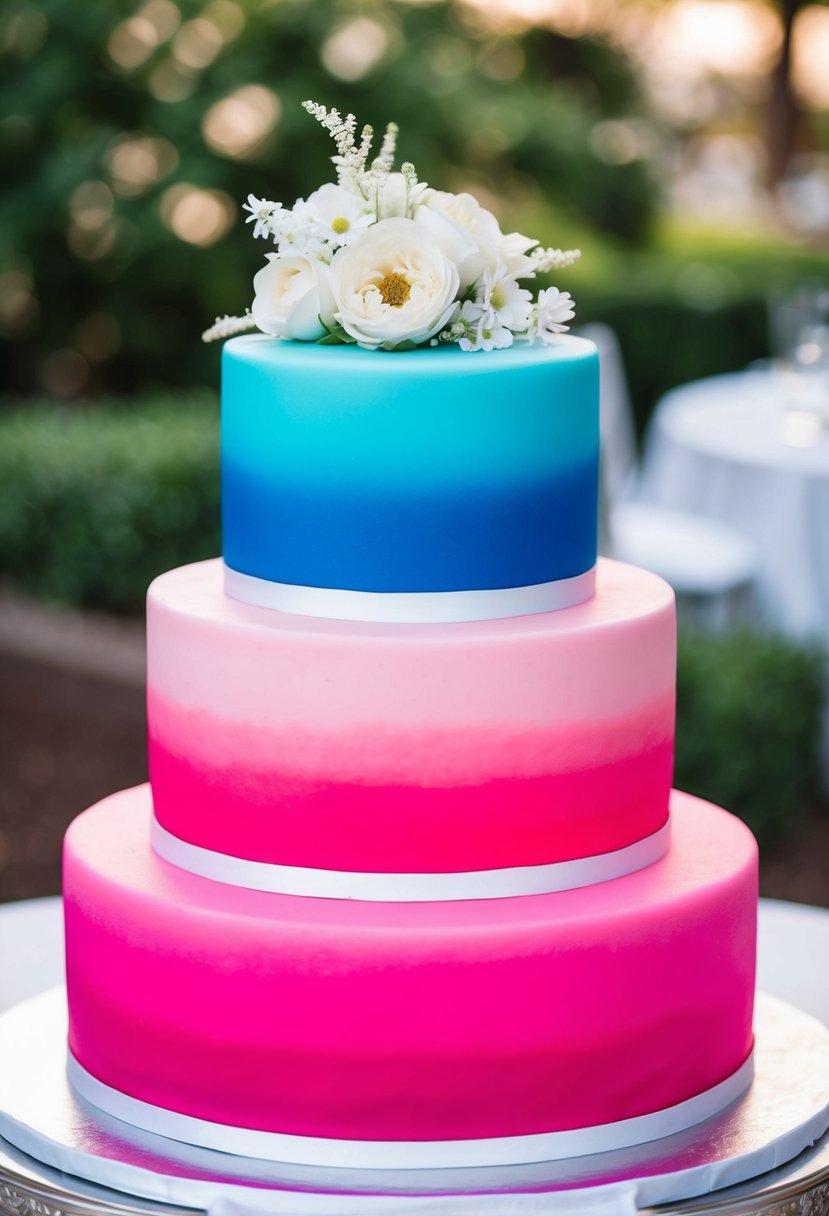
<point>408,885</point>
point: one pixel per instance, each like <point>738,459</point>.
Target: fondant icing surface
<point>424,1021</point>
<point>413,748</point>
<point>411,471</point>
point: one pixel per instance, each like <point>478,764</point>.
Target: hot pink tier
<point>410,748</point>
<point>421,1021</point>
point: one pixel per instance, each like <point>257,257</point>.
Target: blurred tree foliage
<point>130,135</point>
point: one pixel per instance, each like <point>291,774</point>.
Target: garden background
<point>683,145</point>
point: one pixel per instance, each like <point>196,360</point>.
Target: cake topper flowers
<point>382,260</point>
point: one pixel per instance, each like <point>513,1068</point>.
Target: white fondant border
<point>409,888</point>
<point>392,1154</point>
<point>411,607</point>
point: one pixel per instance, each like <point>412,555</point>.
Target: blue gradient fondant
<point>427,470</point>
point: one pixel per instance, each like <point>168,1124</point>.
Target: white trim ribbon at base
<point>413,607</point>
<point>411,1154</point>
<point>409,888</point>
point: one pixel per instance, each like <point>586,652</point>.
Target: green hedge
<point>749,712</point>
<point>96,501</point>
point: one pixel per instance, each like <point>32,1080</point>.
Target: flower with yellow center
<point>393,285</point>
<point>340,215</point>
<point>499,310</point>
<point>395,289</point>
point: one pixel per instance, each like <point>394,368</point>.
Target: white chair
<point>710,567</point>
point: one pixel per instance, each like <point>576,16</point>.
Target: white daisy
<point>262,212</point>
<point>500,309</point>
<point>553,309</point>
<point>340,214</point>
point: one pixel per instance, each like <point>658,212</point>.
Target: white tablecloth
<point>726,449</point>
<point>792,955</point>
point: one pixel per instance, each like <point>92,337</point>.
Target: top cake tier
<point>420,472</point>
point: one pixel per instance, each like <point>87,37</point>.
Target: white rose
<point>512,251</point>
<point>467,213</point>
<point>393,285</point>
<point>455,243</point>
<point>481,227</point>
<point>292,293</point>
<point>397,199</point>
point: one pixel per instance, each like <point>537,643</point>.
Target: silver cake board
<point>65,1158</point>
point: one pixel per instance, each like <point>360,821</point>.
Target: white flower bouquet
<point>382,260</point>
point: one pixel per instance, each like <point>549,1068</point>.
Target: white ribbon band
<point>409,888</point>
<point>411,606</point>
<point>417,1154</point>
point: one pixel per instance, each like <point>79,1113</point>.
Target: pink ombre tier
<point>397,748</point>
<point>409,1022</point>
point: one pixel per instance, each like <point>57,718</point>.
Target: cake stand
<point>767,1154</point>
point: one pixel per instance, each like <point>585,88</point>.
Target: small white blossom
<point>544,260</point>
<point>499,310</point>
<point>508,302</point>
<point>226,327</point>
<point>351,158</point>
<point>298,230</point>
<point>262,211</point>
<point>457,330</point>
<point>553,309</point>
<point>385,158</point>
<point>482,330</point>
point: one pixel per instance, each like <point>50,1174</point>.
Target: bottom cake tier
<point>409,1022</point>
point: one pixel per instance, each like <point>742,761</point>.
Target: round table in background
<point>726,448</point>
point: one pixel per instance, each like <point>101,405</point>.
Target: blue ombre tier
<point>421,471</point>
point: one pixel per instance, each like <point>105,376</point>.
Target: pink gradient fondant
<point>411,748</point>
<point>409,1021</point>
<point>275,815</point>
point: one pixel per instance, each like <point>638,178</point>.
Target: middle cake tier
<point>410,749</point>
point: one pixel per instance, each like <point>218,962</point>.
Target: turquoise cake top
<point>381,260</point>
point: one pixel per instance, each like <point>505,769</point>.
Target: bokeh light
<point>733,37</point>
<point>18,303</point>
<point>241,123</point>
<point>170,81</point>
<point>811,56</point>
<point>197,43</point>
<point>163,15</point>
<point>195,215</point>
<point>354,48</point>
<point>132,42</point>
<point>90,205</point>
<point>137,161</point>
<point>23,31</point>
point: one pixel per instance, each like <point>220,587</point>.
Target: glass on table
<point>799,323</point>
